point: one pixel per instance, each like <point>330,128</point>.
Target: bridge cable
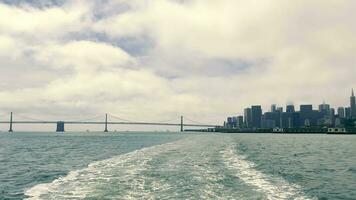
<point>96,117</point>
<point>26,117</point>
<point>166,121</point>
<point>119,118</point>
<point>196,122</point>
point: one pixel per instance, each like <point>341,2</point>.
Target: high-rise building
<point>290,109</point>
<point>240,121</point>
<point>332,115</point>
<point>256,113</point>
<point>324,109</point>
<point>248,117</point>
<point>271,119</point>
<point>273,108</point>
<point>306,108</point>
<point>341,112</point>
<point>306,115</point>
<point>280,109</point>
<point>267,120</point>
<point>234,122</point>
<point>348,112</point>
<point>229,123</point>
<point>353,104</point>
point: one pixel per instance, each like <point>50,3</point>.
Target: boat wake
<point>196,167</point>
<point>271,187</point>
<point>104,179</point>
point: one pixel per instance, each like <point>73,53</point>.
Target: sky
<point>154,60</point>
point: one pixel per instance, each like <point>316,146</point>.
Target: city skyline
<point>290,117</point>
<point>269,107</point>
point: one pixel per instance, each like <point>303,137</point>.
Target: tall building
<point>324,109</point>
<point>273,108</point>
<point>268,121</point>
<point>353,104</point>
<point>256,114</point>
<point>271,119</point>
<point>348,112</point>
<point>306,115</point>
<point>240,121</point>
<point>248,117</point>
<point>341,112</point>
<point>280,109</point>
<point>234,122</point>
<point>229,123</point>
<point>290,109</point>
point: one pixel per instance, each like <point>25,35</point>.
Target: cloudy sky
<point>159,59</point>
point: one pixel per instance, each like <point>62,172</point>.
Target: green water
<point>176,166</point>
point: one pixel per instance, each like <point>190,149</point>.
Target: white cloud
<point>202,58</point>
<point>83,56</point>
<point>44,23</point>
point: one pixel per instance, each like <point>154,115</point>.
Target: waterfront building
<point>268,123</point>
<point>240,121</point>
<point>271,118</point>
<point>229,123</point>
<point>341,112</point>
<point>256,114</point>
<point>348,112</point>
<point>324,109</point>
<point>353,104</point>
<point>286,120</point>
<point>290,109</point>
<point>332,116</point>
<point>326,115</point>
<point>234,122</point>
<point>280,109</point>
<point>248,117</point>
<point>229,120</point>
<point>332,111</point>
<point>337,122</point>
<point>296,119</point>
<point>306,114</point>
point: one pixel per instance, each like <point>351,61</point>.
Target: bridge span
<point>61,124</point>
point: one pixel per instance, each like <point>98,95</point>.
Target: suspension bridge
<point>108,119</point>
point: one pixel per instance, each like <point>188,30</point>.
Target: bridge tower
<point>10,129</point>
<point>181,124</point>
<point>106,123</point>
<point>60,126</point>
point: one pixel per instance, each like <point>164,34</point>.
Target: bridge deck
<point>98,122</point>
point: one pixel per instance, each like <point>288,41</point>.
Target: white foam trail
<point>123,171</point>
<point>272,187</point>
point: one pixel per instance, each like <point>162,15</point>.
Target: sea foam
<point>272,187</point>
<point>123,170</point>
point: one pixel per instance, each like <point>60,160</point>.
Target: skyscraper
<point>273,108</point>
<point>247,117</point>
<point>290,109</point>
<point>341,112</point>
<point>306,115</point>
<point>256,113</point>
<point>280,109</point>
<point>324,109</point>
<point>353,104</point>
<point>348,112</point>
<point>240,121</point>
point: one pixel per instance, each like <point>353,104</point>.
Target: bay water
<point>166,165</point>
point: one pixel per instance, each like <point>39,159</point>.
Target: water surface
<point>176,166</point>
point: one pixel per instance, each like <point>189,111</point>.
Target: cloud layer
<point>159,59</point>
